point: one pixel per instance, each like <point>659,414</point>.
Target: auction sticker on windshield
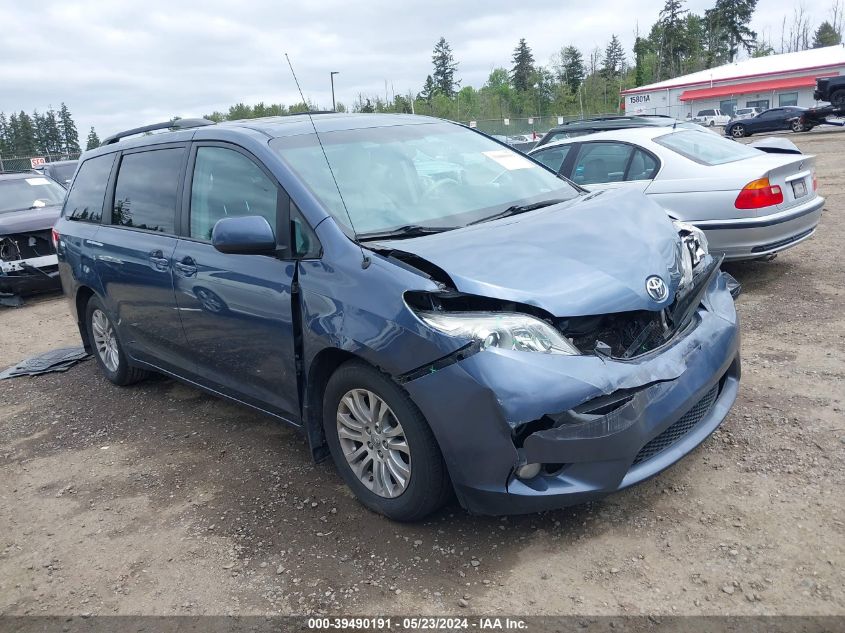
<point>37,181</point>
<point>509,160</point>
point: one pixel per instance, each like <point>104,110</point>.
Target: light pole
<point>331,77</point>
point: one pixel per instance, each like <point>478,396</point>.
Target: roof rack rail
<point>178,124</point>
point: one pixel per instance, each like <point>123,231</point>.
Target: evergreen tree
<point>613,62</point>
<point>523,67</point>
<point>671,33</point>
<point>69,135</point>
<point>26,141</point>
<point>826,35</point>
<point>428,90</point>
<point>93,140</point>
<point>641,49</point>
<point>52,132</point>
<point>4,134</point>
<point>732,18</point>
<point>445,67</point>
<point>570,70</point>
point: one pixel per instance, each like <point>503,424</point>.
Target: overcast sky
<point>122,64</point>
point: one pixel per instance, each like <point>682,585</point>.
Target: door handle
<point>159,261</point>
<point>188,267</point>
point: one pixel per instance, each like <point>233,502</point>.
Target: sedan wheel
<point>797,126</point>
<point>738,131</point>
<point>373,443</point>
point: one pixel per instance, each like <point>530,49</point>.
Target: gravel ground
<point>158,499</point>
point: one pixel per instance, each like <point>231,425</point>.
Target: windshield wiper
<point>516,209</point>
<point>409,230</point>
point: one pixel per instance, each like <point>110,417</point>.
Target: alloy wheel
<point>373,443</point>
<point>105,341</point>
<point>737,131</point>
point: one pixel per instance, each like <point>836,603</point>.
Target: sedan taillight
<point>758,194</point>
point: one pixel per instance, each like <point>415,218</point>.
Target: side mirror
<point>245,235</point>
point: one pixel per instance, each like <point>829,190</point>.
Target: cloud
<point>120,64</point>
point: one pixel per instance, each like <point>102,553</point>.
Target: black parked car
<point>29,205</point>
<point>773,120</point>
<point>60,170</point>
<point>607,123</point>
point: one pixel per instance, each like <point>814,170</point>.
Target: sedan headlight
<point>507,330</point>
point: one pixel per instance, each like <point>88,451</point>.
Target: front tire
<point>838,98</point>
<point>382,445</point>
<point>712,123</point>
<point>106,346</point>
<point>738,131</point>
<point>797,126</point>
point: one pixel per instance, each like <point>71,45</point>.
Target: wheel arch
<point>324,364</point>
<point>83,296</point>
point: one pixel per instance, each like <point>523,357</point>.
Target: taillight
<point>758,194</point>
<point>56,236</point>
<point>815,182</point>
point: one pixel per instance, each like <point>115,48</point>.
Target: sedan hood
<point>590,255</point>
<point>27,220</point>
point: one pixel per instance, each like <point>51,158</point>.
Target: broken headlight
<point>514,331</point>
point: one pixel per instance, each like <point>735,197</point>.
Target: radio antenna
<point>365,261</point>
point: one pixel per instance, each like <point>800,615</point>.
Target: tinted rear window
<point>145,194</point>
<point>707,149</point>
<point>85,199</point>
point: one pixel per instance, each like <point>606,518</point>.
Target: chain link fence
<point>26,163</point>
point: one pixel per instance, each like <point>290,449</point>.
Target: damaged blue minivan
<point>438,313</point>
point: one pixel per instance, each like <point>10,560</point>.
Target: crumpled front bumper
<point>26,276</point>
<point>477,405</point>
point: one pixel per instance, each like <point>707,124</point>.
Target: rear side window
<point>643,166</point>
<point>707,149</point>
<point>553,158</point>
<point>601,162</point>
<point>85,198</point>
<point>145,194</point>
<point>228,184</point>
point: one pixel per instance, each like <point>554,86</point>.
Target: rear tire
<point>106,346</point>
<point>357,392</point>
<point>737,131</point>
<point>797,126</point>
<point>712,123</point>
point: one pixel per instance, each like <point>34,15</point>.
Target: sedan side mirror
<point>244,235</point>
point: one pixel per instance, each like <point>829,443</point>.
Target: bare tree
<point>797,37</point>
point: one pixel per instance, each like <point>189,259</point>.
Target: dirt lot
<point>158,499</point>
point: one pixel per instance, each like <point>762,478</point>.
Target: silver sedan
<point>750,204</point>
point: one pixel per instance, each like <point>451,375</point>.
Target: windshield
<point>432,175</point>
<point>25,193</point>
<point>708,149</point>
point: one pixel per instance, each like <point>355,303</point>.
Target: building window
<point>788,99</point>
<point>728,106</point>
<point>760,104</point>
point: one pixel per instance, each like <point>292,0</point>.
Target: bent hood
<point>28,220</point>
<point>590,255</point>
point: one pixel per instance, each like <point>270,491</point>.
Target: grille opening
<point>680,428</point>
<point>635,332</point>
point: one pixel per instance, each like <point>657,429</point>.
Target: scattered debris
<point>54,360</point>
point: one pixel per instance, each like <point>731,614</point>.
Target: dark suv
<point>830,89</point>
<point>433,309</point>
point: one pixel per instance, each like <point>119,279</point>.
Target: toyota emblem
<point>656,288</point>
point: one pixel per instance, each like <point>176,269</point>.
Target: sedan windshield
<point>707,149</point>
<point>27,193</point>
<point>434,176</point>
